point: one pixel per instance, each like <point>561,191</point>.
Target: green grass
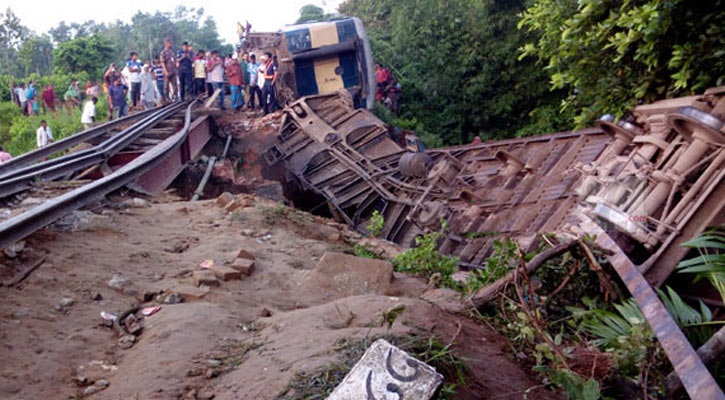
<point>17,131</point>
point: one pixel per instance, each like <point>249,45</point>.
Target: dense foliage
<point>459,68</point>
<point>611,55</point>
<point>502,68</point>
<point>83,54</point>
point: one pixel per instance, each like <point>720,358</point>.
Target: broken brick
<point>244,265</point>
<point>205,277</point>
<point>245,254</point>
<point>226,273</point>
<point>191,293</point>
<point>224,199</point>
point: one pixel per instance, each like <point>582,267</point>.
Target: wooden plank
<point>695,377</point>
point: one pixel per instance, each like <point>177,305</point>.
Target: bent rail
<point>46,151</point>
<point>30,221</point>
<point>24,177</point>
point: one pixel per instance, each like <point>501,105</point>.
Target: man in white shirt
<point>43,135</point>
<point>88,118</point>
<point>135,68</point>
<point>215,67</point>
<point>20,92</point>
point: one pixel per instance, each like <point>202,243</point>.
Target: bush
<point>8,112</point>
<point>425,260</point>
<point>22,129</point>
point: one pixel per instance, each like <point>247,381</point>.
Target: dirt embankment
<point>243,339</point>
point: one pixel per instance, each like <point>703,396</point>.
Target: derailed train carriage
<point>639,187</point>
<point>318,58</point>
<point>652,181</point>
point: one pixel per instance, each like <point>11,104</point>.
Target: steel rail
<point>66,143</point>
<point>25,178</point>
<point>26,169</point>
<point>24,224</point>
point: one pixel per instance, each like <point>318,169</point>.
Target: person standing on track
<point>184,61</point>
<point>109,77</point>
<point>134,69</point>
<point>199,74</point>
<point>215,67</point>
<point>117,92</point>
<point>168,63</point>
<point>159,74</point>
<point>150,95</point>
<point>43,136</point>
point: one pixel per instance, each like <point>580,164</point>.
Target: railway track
<point>144,152</point>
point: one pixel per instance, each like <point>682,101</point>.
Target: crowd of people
<point>174,75</point>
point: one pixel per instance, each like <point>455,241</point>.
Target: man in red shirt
<point>236,80</point>
<point>382,78</point>
<point>48,97</point>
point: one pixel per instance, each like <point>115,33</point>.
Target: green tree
<point>309,13</point>
<point>90,54</point>
<point>61,33</point>
<point>457,63</point>
<point>12,34</point>
<point>610,55</point>
<point>35,54</point>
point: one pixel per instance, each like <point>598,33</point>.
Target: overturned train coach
<point>637,187</point>
<point>318,58</point>
<point>651,182</point>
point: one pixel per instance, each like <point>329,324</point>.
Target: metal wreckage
<point>640,186</point>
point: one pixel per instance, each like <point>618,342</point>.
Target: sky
<point>264,15</point>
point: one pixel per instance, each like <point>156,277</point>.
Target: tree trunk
<point>488,293</point>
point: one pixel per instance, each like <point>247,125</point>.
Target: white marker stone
<point>387,373</point>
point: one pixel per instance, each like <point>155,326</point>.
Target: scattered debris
<point>149,311</point>
<point>384,369</point>
<point>226,273</point>
<point>83,220</point>
<point>126,341</point>
<point>244,265</point>
<point>118,282</point>
<point>205,277</point>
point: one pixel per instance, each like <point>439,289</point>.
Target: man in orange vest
<point>270,78</point>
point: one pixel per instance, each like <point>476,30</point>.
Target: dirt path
<point>242,340</point>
